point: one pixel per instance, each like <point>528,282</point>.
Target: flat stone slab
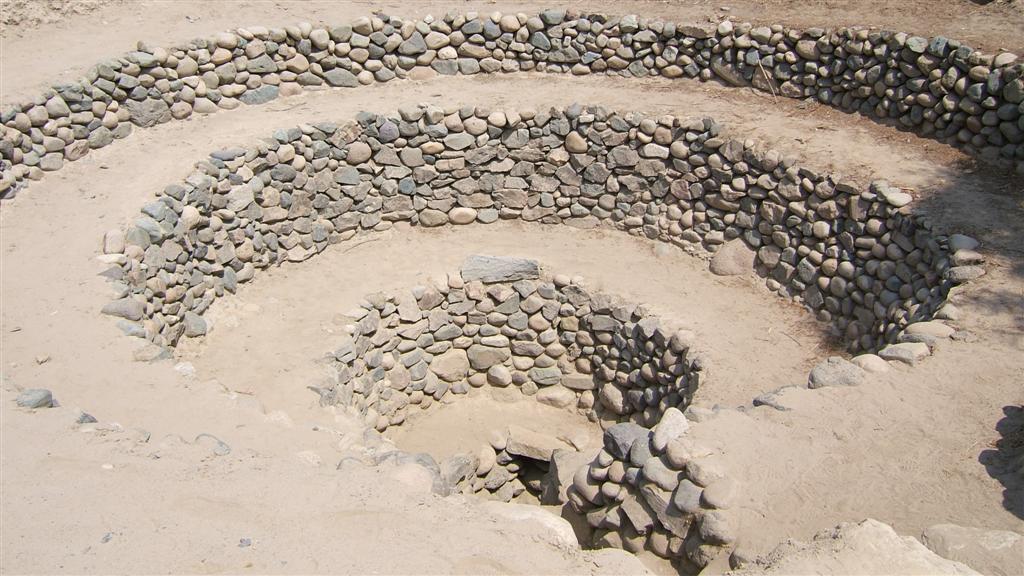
<point>988,551</point>
<point>523,442</point>
<point>907,352</point>
<point>491,269</point>
<point>934,329</point>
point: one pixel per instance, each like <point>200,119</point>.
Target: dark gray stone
<point>413,46</point>
<point>282,172</point>
<point>341,78</point>
<point>260,95</point>
<point>262,64</point>
<point>35,398</point>
<point>195,325</point>
<point>619,438</point>
<point>148,112</point>
<point>540,40</point>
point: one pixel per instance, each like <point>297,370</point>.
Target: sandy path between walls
<point>903,449</point>
<point>736,319</point>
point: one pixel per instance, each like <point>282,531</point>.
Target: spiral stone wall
<point>855,254</point>
<point>937,87</point>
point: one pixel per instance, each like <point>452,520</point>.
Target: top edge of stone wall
<point>545,332</point>
<point>859,256</point>
<point>936,86</point>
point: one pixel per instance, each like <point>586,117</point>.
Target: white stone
<point>871,363</point>
<point>462,215</point>
<point>673,425</point>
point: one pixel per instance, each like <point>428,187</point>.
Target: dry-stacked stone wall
<point>937,87</point>
<point>855,254</point>
<point>499,324</point>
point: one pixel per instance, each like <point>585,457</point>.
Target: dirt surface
<point>868,547</point>
<point>143,495</point>
<point>464,425</point>
<point>21,15</point>
<point>102,501</point>
<point>672,284</point>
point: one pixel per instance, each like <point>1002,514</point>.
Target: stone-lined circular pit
<point>500,323</point>
<point>856,255</point>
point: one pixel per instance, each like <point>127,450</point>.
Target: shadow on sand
<point>1005,460</point>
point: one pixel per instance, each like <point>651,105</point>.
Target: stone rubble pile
<point>856,255</point>
<point>514,461</point>
<point>550,338</point>
<point>937,87</point>
<point>655,489</point>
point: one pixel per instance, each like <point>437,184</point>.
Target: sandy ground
<point>675,286</point>
<point>903,449</point>
<point>464,425</point>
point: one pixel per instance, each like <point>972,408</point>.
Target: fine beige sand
<point>137,493</point>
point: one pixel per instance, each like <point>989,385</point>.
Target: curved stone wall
<point>937,87</point>
<point>856,255</point>
<point>500,324</point>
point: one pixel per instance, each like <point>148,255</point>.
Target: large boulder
<point>995,552</point>
<point>556,396</point>
<point>341,78</point>
<point>35,398</point>
<point>127,308</point>
<point>673,424</point>
<point>906,352</point>
<point>870,363</point>
<point>544,525</point>
<point>613,398</point>
<point>727,72</point>
<point>418,471</point>
<point>483,357</point>
<point>523,442</point>
<point>195,325</point>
